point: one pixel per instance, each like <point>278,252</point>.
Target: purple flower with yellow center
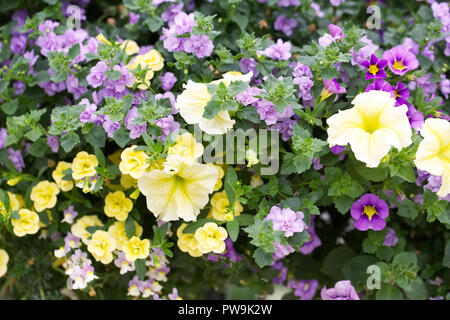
<point>401,93</point>
<point>401,60</point>
<point>369,212</point>
<point>380,84</point>
<point>331,87</point>
<point>375,67</point>
<point>305,289</point>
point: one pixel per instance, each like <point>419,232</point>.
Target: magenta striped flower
<point>369,212</point>
<point>375,67</point>
<point>401,60</point>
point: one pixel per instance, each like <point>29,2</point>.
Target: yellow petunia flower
<point>84,165</point>
<point>101,246</point>
<point>44,195</point>
<point>371,127</point>
<point>433,154</point>
<point>186,146</point>
<point>219,211</point>
<point>187,242</point>
<point>178,191</point>
<point>133,162</point>
<point>28,223</point>
<point>211,238</point>
<point>4,258</point>
<point>79,227</point>
<point>136,248</point>
<point>117,231</point>
<point>57,175</point>
<point>117,205</point>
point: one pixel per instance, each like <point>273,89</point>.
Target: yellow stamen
<point>369,211</point>
<point>398,65</point>
<point>373,69</point>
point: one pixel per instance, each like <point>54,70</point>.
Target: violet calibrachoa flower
<point>304,289</point>
<point>375,67</point>
<point>343,290</point>
<point>400,60</point>
<point>370,212</point>
<point>278,51</point>
<point>286,220</point>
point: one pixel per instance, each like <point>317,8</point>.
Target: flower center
<point>373,69</point>
<point>369,211</point>
<point>398,65</point>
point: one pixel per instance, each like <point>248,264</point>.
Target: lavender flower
<point>200,45</point>
<point>305,289</point>
<point>401,60</point>
<point>286,220</point>
<point>3,135</point>
<point>97,74</point>
<point>343,290</point>
<point>52,142</point>
<point>110,126</point>
<point>391,238</point>
<point>370,212</point>
<point>249,64</point>
<point>375,67</point>
<point>15,156</point>
<point>167,125</point>
<point>168,80</point>
<point>88,114</point>
<point>136,130</point>
<point>331,87</point>
<point>285,24</point>
<point>314,242</point>
<point>278,51</point>
<point>69,214</point>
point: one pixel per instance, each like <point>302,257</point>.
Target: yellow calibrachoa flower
<point>44,195</point>
<point>371,127</point>
<point>252,157</point>
<point>192,102</point>
<point>131,47</point>
<point>186,146</point>
<point>101,246</point>
<point>152,60</point>
<point>12,182</point>
<point>133,162</point>
<point>256,180</point>
<point>100,37</point>
<point>218,184</point>
<point>117,205</point>
<point>187,242</point>
<point>117,231</point>
<point>28,223</point>
<point>433,154</point>
<point>127,181</point>
<point>79,227</point>
<point>219,203</point>
<point>16,202</point>
<point>211,237</point>
<point>84,165</point>
<point>57,175</point>
<point>178,191</point>
<point>4,258</point>
<point>136,248</point>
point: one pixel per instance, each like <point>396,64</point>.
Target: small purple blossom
<point>391,238</point>
<point>285,24</point>
<point>278,51</point>
<point>52,142</point>
<point>343,290</point>
<point>97,74</point>
<point>305,289</point>
<point>168,80</point>
<point>15,156</point>
<point>3,135</point>
<point>400,60</point>
<point>167,125</point>
<point>370,212</point>
<point>375,67</point>
<point>200,45</point>
<point>286,220</point>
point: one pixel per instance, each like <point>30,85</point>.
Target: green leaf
<point>37,149</point>
<point>69,141</point>
<point>196,224</point>
<point>355,269</point>
<point>4,199</point>
<point>419,290</point>
<point>96,137</point>
<point>121,137</point>
<point>233,230</point>
<point>244,219</point>
<point>407,209</point>
<point>446,258</point>
<point>141,268</point>
<point>230,183</point>
<point>130,227</point>
<point>10,107</point>
<point>388,292</point>
<point>343,204</point>
<point>335,260</point>
<point>262,258</point>
<point>113,74</point>
<point>301,163</point>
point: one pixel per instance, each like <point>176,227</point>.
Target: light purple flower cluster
<point>136,130</point>
<point>80,270</point>
<point>3,135</point>
<point>441,11</point>
<point>391,238</point>
<point>122,263</point>
<point>286,220</point>
<point>343,290</point>
<point>305,289</point>
<point>278,51</point>
<point>285,24</point>
<point>175,40</point>
<point>281,251</point>
<point>314,242</point>
<point>168,80</point>
<point>15,156</point>
<point>278,265</point>
<point>70,242</point>
<point>69,215</point>
<point>363,53</point>
<point>335,35</point>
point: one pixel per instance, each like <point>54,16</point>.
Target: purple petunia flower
<point>281,251</point>
<point>97,74</point>
<point>200,45</point>
<point>278,51</point>
<point>331,87</point>
<point>305,289</point>
<point>309,246</point>
<point>335,35</point>
<point>168,80</point>
<point>370,212</point>
<point>286,220</point>
<point>391,238</point>
<point>18,44</point>
<point>285,24</point>
<point>375,67</point>
<point>135,130</point>
<point>52,142</point>
<point>380,84</point>
<point>400,60</point>
<point>134,18</point>
<point>3,135</point>
<point>343,290</point>
<point>249,64</point>
<point>15,156</point>
<point>110,126</point>
<point>88,114</point>
<point>304,87</point>
<point>167,125</point>
<point>364,52</point>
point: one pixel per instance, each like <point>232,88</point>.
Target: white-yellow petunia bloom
<point>193,100</point>
<point>186,146</point>
<point>371,127</point>
<point>180,190</point>
<point>433,154</point>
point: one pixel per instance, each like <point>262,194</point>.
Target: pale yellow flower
<point>252,157</point>
<point>79,227</point>
<point>4,258</point>
<point>219,207</point>
<point>136,248</point>
<point>231,76</point>
<point>433,154</point>
<point>133,162</point>
<point>178,191</point>
<point>211,238</point>
<point>44,195</point>
<point>186,146</point>
<point>57,175</point>
<point>192,102</point>
<point>117,205</point>
<point>101,246</point>
<point>152,60</point>
<point>127,181</point>
<point>28,223</point>
<point>117,231</point>
<point>187,242</point>
<point>131,47</point>
<point>84,165</point>
<point>218,184</point>
<point>16,202</point>
<point>100,37</point>
<point>371,127</point>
